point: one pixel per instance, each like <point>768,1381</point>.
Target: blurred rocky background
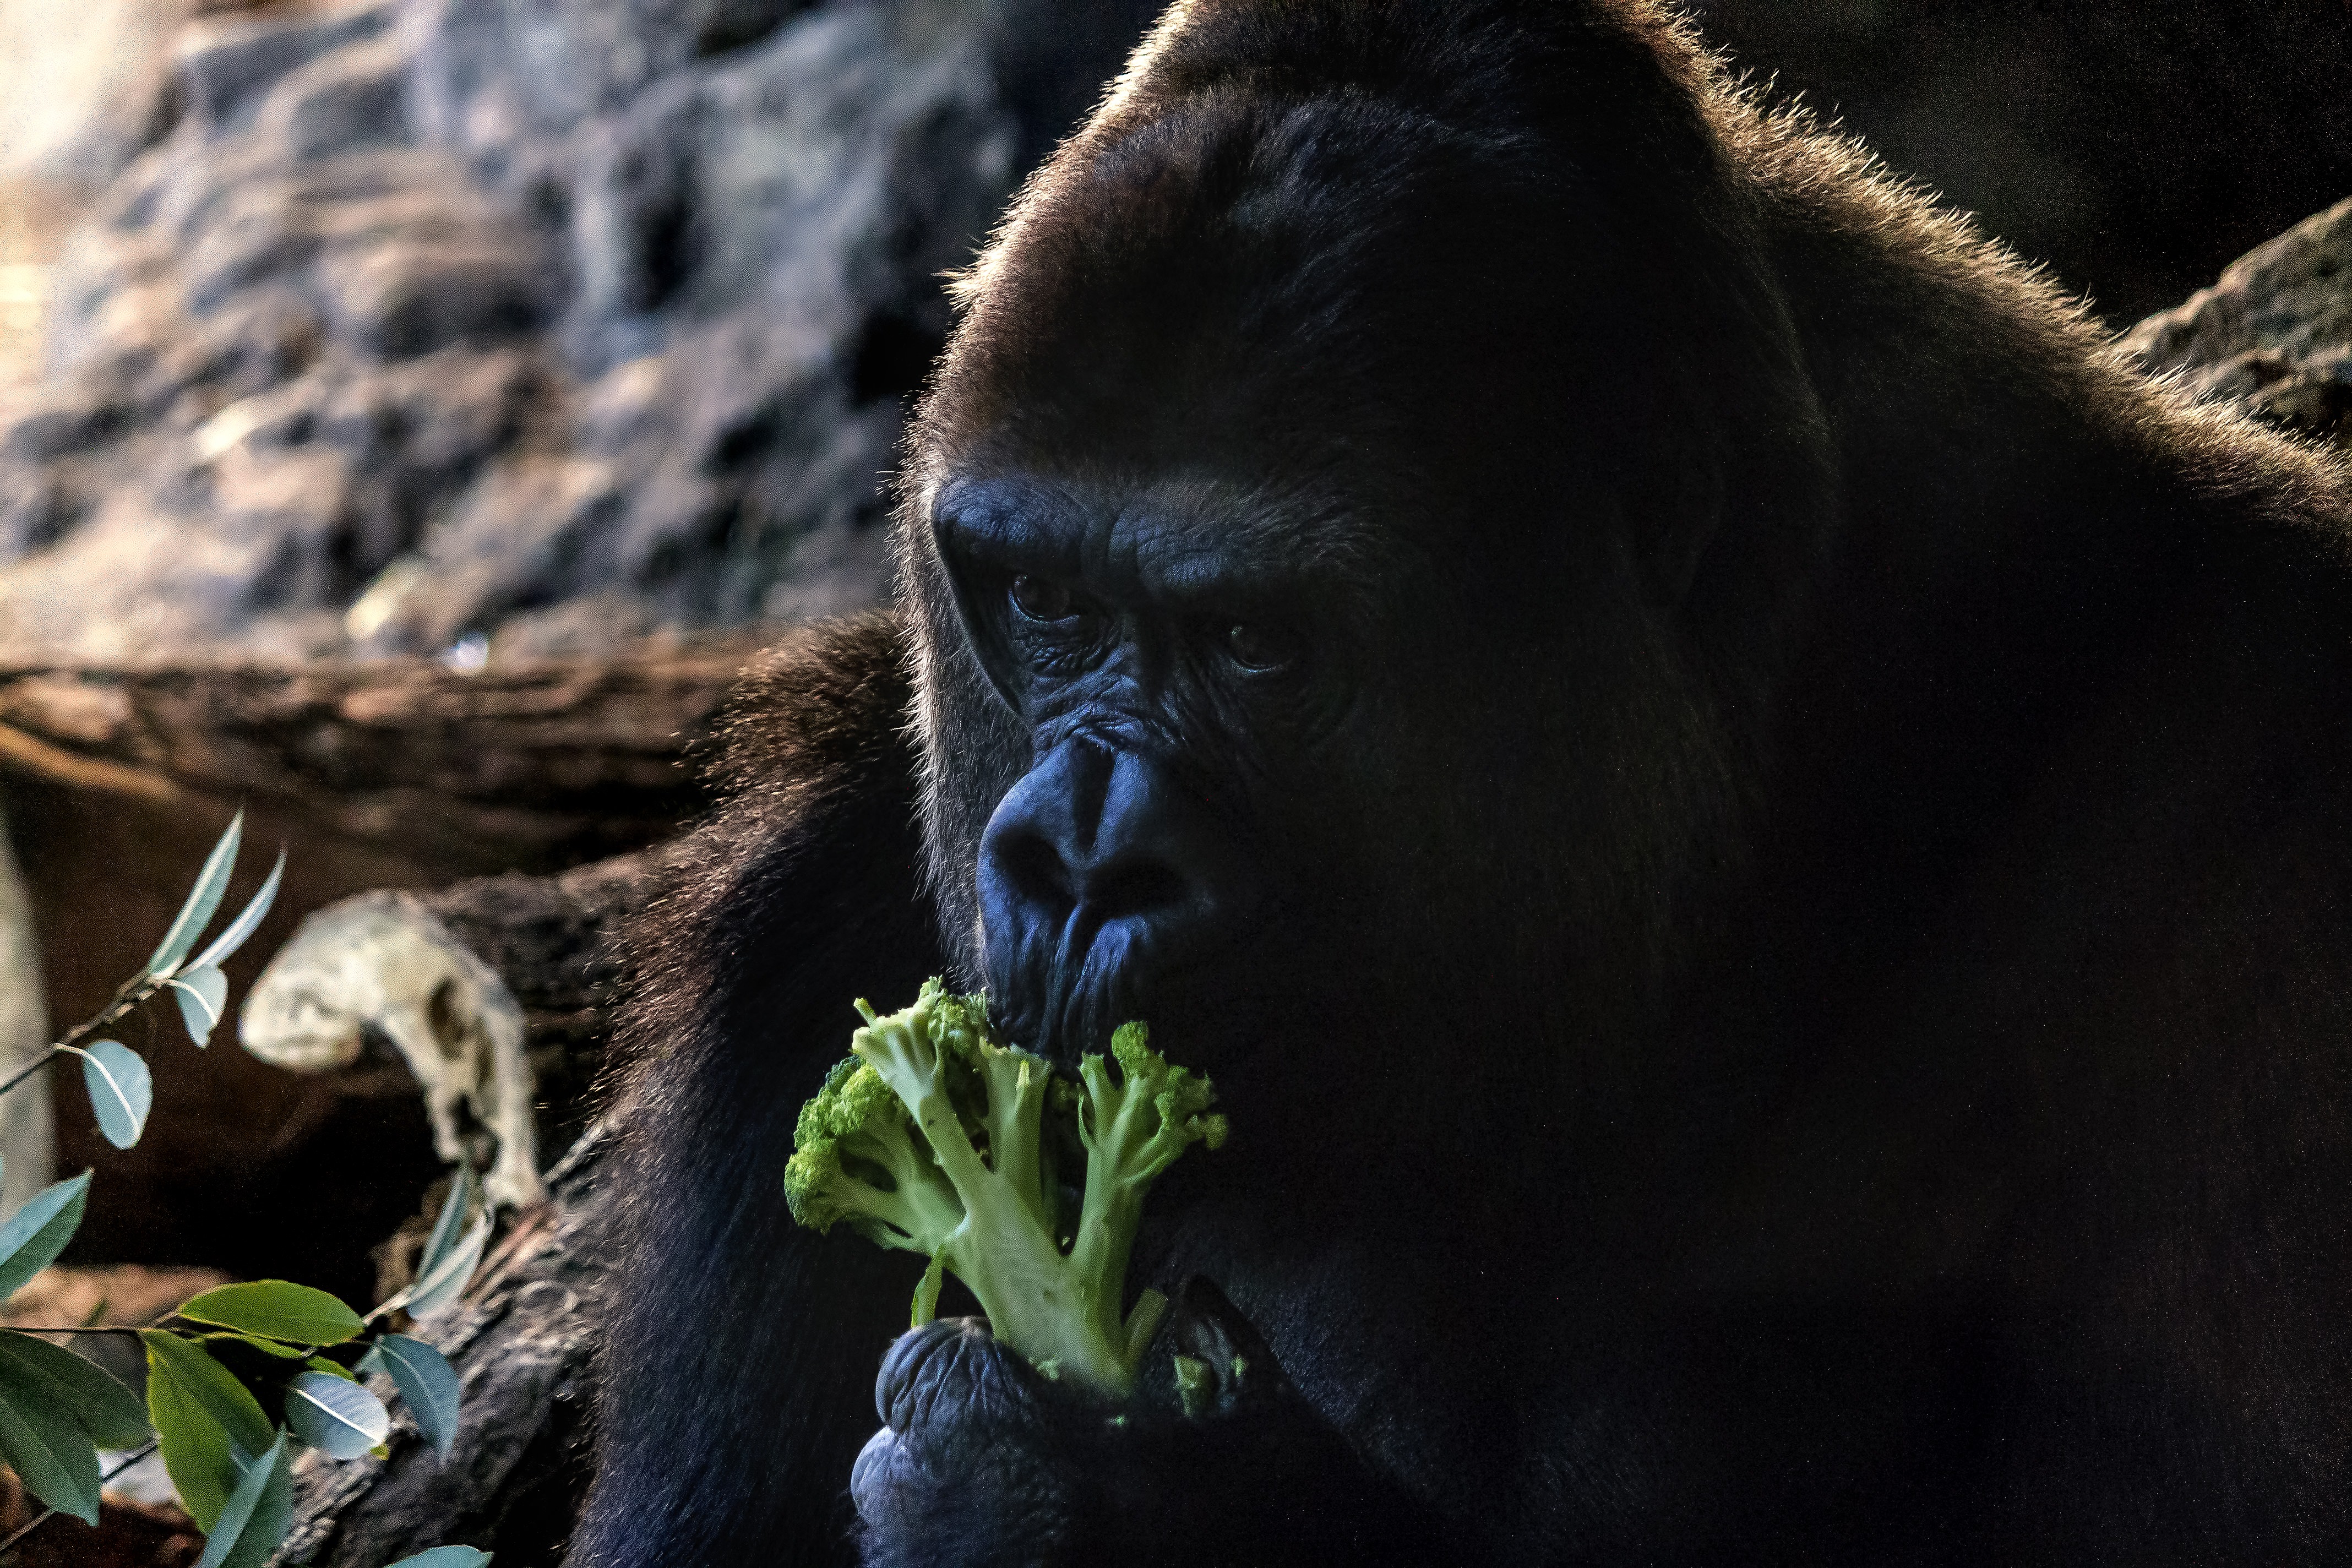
<point>501,329</point>
<point>498,330</point>
<point>411,415</point>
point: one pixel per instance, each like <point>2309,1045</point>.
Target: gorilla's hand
<point>983,1461</point>
<point>971,1464</point>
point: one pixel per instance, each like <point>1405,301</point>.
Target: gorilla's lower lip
<point>1196,1016</point>
<point>1071,1021</point>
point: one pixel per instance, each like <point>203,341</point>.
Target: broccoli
<point>980,1191</point>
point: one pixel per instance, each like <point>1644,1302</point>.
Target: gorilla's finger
<point>951,1368</point>
<point>875,1478</point>
<point>904,1362</point>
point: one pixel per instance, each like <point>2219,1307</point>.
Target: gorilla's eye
<point>1258,649</point>
<point>1038,599</point>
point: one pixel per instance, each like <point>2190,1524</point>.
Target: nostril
<point>1035,870</point>
<point>1135,888</point>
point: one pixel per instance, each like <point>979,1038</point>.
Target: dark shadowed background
<point>2136,148</point>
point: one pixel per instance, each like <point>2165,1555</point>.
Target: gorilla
<point>1756,834</point>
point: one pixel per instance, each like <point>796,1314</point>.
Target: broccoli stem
<point>1061,1311</point>
<point>917,1206</point>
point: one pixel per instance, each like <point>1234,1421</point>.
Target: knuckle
<point>920,1368</point>
<point>878,1476</point>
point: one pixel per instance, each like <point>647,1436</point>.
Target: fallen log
<point>524,1339</point>
<point>540,765</point>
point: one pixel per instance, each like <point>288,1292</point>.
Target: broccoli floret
<point>978,1189</point>
<point>855,1130</point>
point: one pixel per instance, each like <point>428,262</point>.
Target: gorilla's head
<point>1349,534</point>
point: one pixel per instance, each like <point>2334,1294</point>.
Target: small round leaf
<point>335,1415</point>
<point>442,1284</point>
<point>202,995</point>
<point>37,1233</point>
<point>202,900</point>
<point>427,1382</point>
<point>121,1090</point>
<point>253,1521</point>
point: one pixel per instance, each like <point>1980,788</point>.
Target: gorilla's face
<point>1198,709</point>
<point>1309,647</point>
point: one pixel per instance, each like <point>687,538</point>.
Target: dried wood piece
<point>538,765</point>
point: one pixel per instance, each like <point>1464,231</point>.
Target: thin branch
<point>132,995</point>
<point>29,1069</point>
<point>47,1514</point>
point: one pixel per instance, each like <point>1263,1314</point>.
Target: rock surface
<point>2274,334</point>
<point>512,330</point>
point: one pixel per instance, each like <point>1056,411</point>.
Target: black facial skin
<point>1167,698</point>
<point>1752,830</point>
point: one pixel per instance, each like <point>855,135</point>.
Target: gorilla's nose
<point>1096,862</point>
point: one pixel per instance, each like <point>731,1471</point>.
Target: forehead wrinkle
<point>1209,540</point>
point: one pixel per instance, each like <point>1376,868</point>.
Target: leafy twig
<point>47,1514</point>
<point>132,995</point>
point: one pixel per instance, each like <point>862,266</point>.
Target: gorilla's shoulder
<point>831,698</point>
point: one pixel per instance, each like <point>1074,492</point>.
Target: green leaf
<point>212,1430</point>
<point>440,1285</point>
<point>446,1557</point>
<point>335,1415</point>
<point>426,1382</point>
<point>33,1370</point>
<point>253,1521</point>
<point>268,1347</point>
<point>449,1228</point>
<point>332,1369</point>
<point>278,1311</point>
<point>51,1455</point>
<point>202,900</point>
<point>37,1233</point>
<point>234,935</point>
<point>203,997</point>
<point>121,1090</point>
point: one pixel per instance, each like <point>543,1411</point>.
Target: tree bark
<point>523,1340</point>
<point>550,940</point>
<point>541,765</point>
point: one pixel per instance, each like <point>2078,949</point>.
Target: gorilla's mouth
<point>1106,895</point>
<point>1060,991</point>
